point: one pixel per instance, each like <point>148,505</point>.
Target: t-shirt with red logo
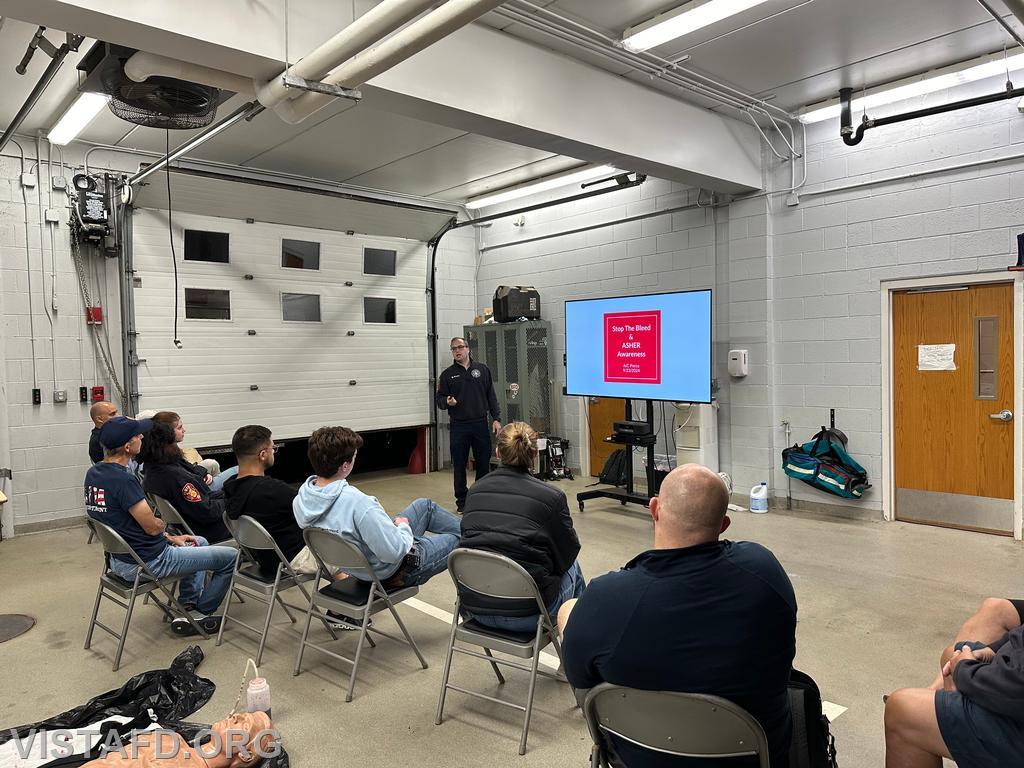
<point>184,486</point>
<point>110,491</point>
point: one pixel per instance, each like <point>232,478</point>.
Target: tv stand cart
<point>628,495</point>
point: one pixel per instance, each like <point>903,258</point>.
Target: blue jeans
<point>429,554</point>
<point>572,586</point>
<point>466,435</point>
<point>223,477</point>
<point>192,562</point>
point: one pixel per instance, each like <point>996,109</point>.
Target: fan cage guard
<point>162,102</point>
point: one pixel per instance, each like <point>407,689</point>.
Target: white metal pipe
<point>1016,7</point>
<point>368,64</point>
<point>142,66</point>
<point>373,25</point>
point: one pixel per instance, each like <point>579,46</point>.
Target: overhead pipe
<point>141,66</point>
<point>379,21</point>
<point>1016,7</point>
<point>1002,22</point>
<point>851,137</point>
<point>368,64</point>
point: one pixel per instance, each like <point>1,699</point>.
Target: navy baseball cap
<point>120,429</point>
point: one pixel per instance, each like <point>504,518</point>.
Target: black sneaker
<point>210,624</point>
<point>459,508</point>
<point>344,623</point>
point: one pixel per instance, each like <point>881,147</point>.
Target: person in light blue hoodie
<point>399,551</point>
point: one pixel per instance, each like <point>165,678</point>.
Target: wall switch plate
<point>59,182</point>
<point>37,396</point>
<point>83,394</point>
<point>60,395</point>
<point>53,215</point>
<point>28,180</point>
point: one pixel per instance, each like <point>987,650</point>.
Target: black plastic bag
<point>173,694</point>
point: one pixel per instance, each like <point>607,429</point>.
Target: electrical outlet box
<point>52,215</point>
<point>60,395</point>
<point>28,180</point>
<point>37,396</point>
<point>60,182</point>
<point>83,394</point>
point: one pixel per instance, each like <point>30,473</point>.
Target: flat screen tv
<point>651,347</point>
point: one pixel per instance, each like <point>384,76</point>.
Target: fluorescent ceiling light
<point>552,182</point>
<point>996,67</point>
<point>77,117</point>
<point>682,21</point>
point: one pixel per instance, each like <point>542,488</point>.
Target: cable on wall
<point>170,233</point>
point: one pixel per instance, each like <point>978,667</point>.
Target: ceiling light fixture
<point>682,21</point>
<point>77,117</point>
<point>932,82</point>
<point>551,182</point>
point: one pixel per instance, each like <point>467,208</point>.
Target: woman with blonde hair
<point>512,513</point>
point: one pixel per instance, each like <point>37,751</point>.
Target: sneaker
<point>210,624</point>
<point>337,621</point>
<point>459,508</point>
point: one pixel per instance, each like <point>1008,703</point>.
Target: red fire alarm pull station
<point>97,394</point>
<point>94,315</point>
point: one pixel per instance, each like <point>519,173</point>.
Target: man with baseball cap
<point>114,496</point>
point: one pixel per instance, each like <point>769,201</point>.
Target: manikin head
<point>102,412</point>
<point>255,726</point>
<point>690,508</point>
<point>460,351</point>
<point>254,444</point>
<point>332,452</point>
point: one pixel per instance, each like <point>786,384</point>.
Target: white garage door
<point>266,341</point>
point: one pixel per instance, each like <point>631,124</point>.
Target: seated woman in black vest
<point>512,513</point>
<point>183,484</point>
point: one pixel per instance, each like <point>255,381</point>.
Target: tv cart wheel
<point>581,506</point>
<point>622,502</point>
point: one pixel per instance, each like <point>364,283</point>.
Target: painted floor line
<point>831,711</point>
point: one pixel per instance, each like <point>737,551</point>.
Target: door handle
<point>1003,415</point>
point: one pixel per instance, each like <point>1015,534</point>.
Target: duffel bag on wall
<point>824,463</point>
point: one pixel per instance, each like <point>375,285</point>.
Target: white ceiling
<point>794,52</point>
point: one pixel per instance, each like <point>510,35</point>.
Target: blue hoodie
<point>360,519</point>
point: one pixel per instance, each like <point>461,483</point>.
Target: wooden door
<point>602,412</point>
<point>952,407</point>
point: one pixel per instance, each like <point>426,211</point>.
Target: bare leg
<point>993,619</point>
<point>912,737</point>
<point>563,615</point>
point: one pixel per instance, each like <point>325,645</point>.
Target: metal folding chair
<point>170,515</point>
<point>112,587</point>
<point>252,536</point>
<point>351,597</point>
<point>671,723</point>
<point>496,577</point>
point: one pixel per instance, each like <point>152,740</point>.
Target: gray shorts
<point>976,736</point>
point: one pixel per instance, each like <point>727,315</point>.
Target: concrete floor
<point>877,603</point>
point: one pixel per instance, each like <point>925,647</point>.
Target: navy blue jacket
<point>717,618</point>
<point>473,389</point>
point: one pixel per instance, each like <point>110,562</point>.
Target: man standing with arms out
<point>694,614</point>
<point>466,391</point>
<point>100,413</point>
<point>114,496</point>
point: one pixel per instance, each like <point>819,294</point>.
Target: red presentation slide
<point>632,347</point>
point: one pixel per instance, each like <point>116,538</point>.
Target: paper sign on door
<point>936,357</point>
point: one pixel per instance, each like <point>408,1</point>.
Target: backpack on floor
<point>813,745</point>
<point>616,468</point>
<point>824,463</point>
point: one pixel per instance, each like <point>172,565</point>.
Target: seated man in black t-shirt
<point>694,614</point>
<point>114,496</point>
<point>265,499</point>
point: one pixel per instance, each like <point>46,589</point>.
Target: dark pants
<point>466,435</point>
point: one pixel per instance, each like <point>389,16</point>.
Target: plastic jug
<point>258,695</point>
<point>759,498</point>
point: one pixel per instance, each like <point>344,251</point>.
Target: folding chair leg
<point>238,596</point>
<point>447,667</point>
<point>359,649</point>
<point>401,626</point>
<point>266,626</point>
<point>227,607</point>
<point>529,694</point>
<point>323,619</point>
<point>497,672</point>
<point>95,613</point>
<point>305,634</point>
<point>284,607</point>
<point>124,629</point>
<point>92,536</point>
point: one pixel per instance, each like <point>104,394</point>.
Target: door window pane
<point>986,358</point>
<point>206,246</point>
<point>378,310</point>
<point>300,254</point>
<point>379,261</point>
<point>207,304</point>
<point>301,307</point>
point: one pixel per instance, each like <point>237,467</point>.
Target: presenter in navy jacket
<point>466,391</point>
